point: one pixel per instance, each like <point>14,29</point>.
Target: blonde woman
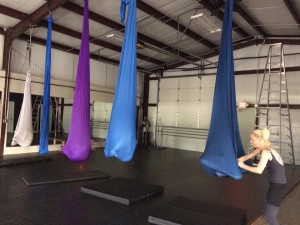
<point>272,160</point>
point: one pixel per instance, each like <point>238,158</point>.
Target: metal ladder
<point>272,110</point>
<point>56,116</point>
<point>36,113</point>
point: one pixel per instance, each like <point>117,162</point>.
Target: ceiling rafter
<point>291,8</point>
<point>72,50</point>
<point>210,7</point>
<point>12,12</point>
<point>236,73</point>
<point>214,52</point>
<point>64,30</point>
<point>246,42</point>
<point>114,25</point>
<point>96,41</point>
<point>248,19</point>
<point>173,23</point>
<point>285,41</point>
<point>35,17</point>
<point>65,48</point>
<point>2,31</point>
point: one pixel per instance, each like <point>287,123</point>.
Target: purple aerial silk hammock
<point>78,145</point>
<point>121,137</point>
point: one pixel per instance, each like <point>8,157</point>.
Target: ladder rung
<point>276,71</point>
<point>280,143</point>
<point>271,91</point>
<point>275,63</point>
<point>271,99</point>
<point>270,107</point>
<point>289,137</point>
<point>262,114</point>
<point>284,115</point>
<point>276,45</point>
<point>284,142</point>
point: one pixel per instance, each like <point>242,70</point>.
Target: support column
<point>5,96</point>
<point>146,96</point>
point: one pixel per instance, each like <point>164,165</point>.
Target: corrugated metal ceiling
<point>253,18</point>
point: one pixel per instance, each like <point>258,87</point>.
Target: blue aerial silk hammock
<point>121,137</point>
<point>78,145</point>
<point>224,144</point>
<point>46,98</point>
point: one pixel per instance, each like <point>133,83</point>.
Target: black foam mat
<point>40,179</point>
<point>183,211</point>
<point>9,161</point>
<point>123,190</point>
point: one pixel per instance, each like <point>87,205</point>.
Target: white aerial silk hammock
<point>24,133</point>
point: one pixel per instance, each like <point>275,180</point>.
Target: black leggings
<point>270,213</point>
<point>275,195</point>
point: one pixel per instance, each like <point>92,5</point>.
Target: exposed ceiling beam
<point>35,17</point>
<point>284,36</point>
<point>290,106</point>
<point>243,43</point>
<point>64,30</point>
<point>214,52</point>
<point>2,30</point>
<point>248,19</point>
<point>291,8</point>
<point>246,72</point>
<point>236,73</point>
<point>286,41</point>
<point>72,50</point>
<point>211,7</point>
<point>93,40</point>
<point>173,23</point>
<point>65,48</point>
<point>12,13</point>
<point>116,26</point>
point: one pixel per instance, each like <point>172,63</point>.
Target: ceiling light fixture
<point>139,45</point>
<point>206,22</point>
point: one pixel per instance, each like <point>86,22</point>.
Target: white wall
<point>187,101</point>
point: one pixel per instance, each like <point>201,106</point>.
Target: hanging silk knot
<point>50,19</point>
<point>124,3</point>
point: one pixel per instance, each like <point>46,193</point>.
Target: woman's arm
<point>265,157</point>
<point>249,156</point>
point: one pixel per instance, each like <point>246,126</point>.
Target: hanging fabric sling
<point>78,145</point>
<point>121,137</point>
<point>224,145</point>
<point>24,133</point>
<point>46,98</point>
